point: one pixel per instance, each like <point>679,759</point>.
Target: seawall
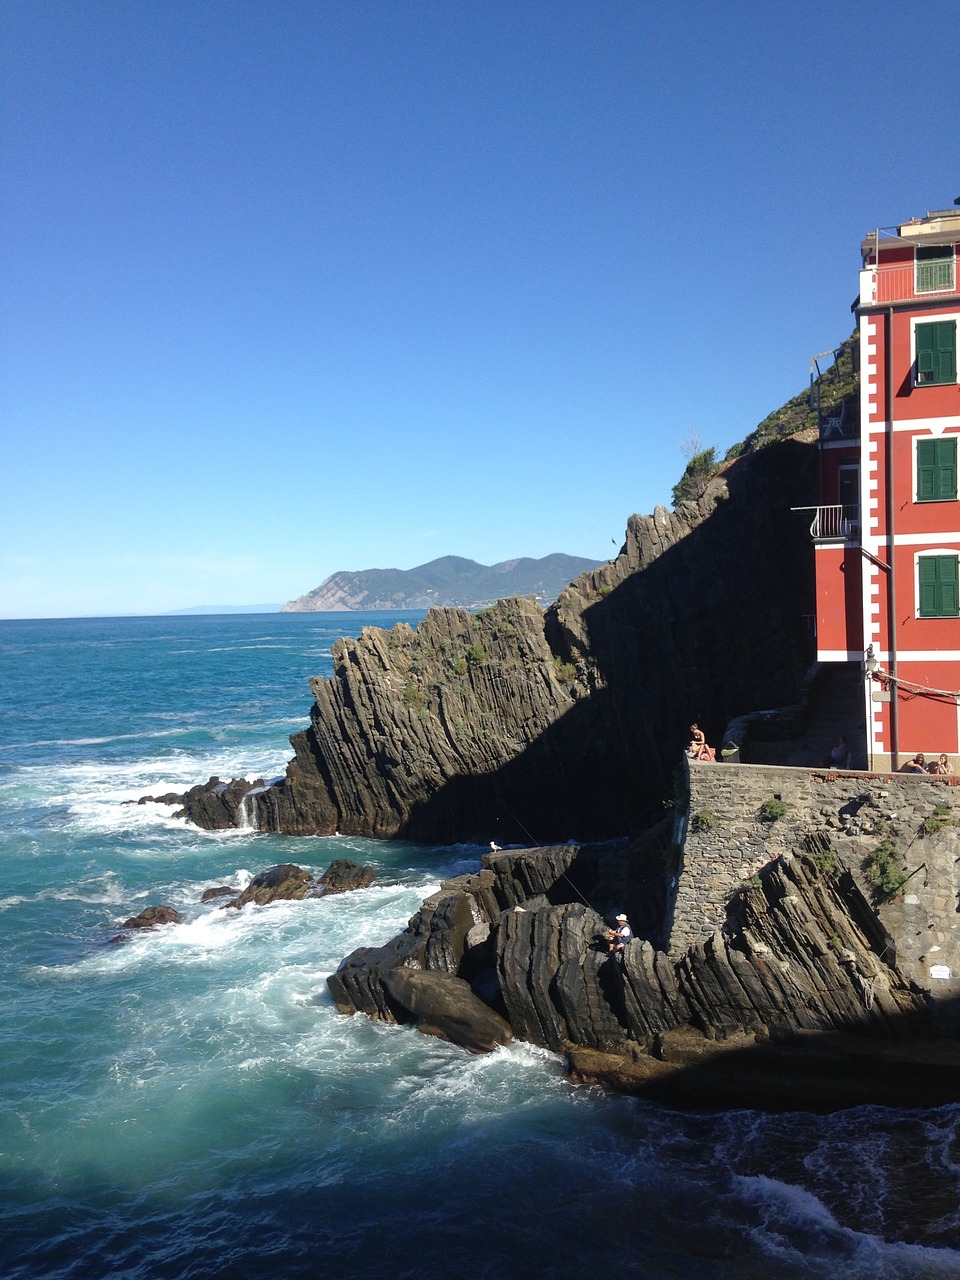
<point>726,839</point>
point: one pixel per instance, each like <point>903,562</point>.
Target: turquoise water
<point>190,1104</point>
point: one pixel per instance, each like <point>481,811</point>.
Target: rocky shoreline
<point>792,1006</point>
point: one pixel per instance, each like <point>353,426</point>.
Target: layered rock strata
<point>798,961</point>
<point>519,725</point>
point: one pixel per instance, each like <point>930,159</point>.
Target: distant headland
<point>450,581</point>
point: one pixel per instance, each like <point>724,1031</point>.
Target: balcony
<point>834,523</point>
<point>904,282</point>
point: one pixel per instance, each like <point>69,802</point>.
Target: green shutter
<point>937,469</point>
<point>939,578</point>
<point>936,352</point>
<point>926,470</point>
<point>946,468</point>
<point>949,587</point>
<point>929,595</point>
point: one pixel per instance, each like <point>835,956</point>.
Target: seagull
<point>494,847</point>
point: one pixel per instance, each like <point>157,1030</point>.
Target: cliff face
<point>517,725</point>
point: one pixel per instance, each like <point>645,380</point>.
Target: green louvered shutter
<point>926,469</point>
<point>936,470</point>
<point>939,587</point>
<point>937,352</point>
<point>949,587</point>
<point>946,468</point>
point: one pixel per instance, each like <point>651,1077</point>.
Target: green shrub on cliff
<point>412,697</point>
<point>883,871</point>
<point>696,476</point>
<point>940,818</point>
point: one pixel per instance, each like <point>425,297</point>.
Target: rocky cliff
<point>450,581</point>
<point>515,724</point>
<point>792,1003</point>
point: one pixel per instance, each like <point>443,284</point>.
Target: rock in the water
<point>221,891</point>
<point>286,882</point>
<point>150,917</point>
<point>343,875</point>
<point>444,1006</point>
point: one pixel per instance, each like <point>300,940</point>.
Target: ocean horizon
<point>187,1103</point>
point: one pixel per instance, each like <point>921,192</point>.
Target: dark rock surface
<point>150,917</point>
<point>515,725</point>
<point>799,974</point>
<point>290,883</point>
<point>342,876</point>
<point>444,1006</point>
<point>286,882</point>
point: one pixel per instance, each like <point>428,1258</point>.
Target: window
<point>937,469</point>
<point>936,347</point>
<point>939,587</point>
<point>935,268</point>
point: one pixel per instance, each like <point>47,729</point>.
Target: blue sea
<point>190,1104</point>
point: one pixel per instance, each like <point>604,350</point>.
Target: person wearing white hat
<point>622,934</point>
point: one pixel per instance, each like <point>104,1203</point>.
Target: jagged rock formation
<point>290,883</point>
<point>799,960</point>
<point>449,581</point>
<point>519,725</point>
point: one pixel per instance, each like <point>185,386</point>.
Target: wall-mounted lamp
<point>870,662</point>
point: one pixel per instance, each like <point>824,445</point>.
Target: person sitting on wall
<point>840,754</point>
<point>916,765</point>
<point>940,766</point>
<point>698,749</point>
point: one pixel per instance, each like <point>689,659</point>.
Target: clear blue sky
<point>293,287</point>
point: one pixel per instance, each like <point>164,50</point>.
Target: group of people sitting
<point>940,767</point>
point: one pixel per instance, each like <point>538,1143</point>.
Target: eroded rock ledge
<point>790,1005</point>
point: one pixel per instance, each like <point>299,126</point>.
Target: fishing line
<point>537,845</point>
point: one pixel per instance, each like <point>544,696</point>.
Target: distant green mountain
<point>451,580</point>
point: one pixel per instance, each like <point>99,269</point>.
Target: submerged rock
<point>221,891</point>
<point>342,876</point>
<point>151,917</point>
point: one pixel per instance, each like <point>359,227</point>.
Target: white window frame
<point>922,555</point>
<point>932,319</point>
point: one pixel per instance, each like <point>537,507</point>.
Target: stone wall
<point>725,840</point>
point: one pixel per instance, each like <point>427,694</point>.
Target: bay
<point>190,1104</point>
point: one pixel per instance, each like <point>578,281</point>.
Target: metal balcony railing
<point>906,281</point>
<point>834,522</point>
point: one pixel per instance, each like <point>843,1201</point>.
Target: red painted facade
<point>887,538</point>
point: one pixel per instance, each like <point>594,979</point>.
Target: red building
<point>887,534</point>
